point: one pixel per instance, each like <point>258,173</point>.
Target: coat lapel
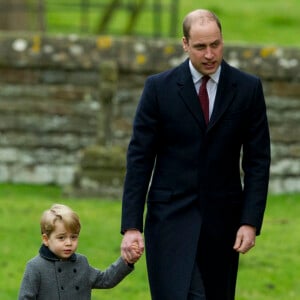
<point>188,94</point>
<point>225,94</point>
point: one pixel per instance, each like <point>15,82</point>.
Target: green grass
<point>20,210</point>
<point>273,22</point>
<point>270,271</point>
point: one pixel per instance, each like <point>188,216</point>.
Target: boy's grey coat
<point>53,279</point>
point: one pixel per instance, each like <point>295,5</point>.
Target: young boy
<point>60,273</point>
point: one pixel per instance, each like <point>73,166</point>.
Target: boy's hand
<point>138,253</point>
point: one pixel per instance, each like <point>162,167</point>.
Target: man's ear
<point>185,44</point>
<point>45,239</point>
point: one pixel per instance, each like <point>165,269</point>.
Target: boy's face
<point>61,242</point>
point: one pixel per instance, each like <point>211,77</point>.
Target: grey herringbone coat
<point>48,278</point>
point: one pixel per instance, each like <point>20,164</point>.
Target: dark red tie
<point>203,97</point>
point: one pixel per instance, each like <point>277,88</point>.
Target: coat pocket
<point>159,196</point>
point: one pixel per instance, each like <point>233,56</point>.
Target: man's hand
<point>245,239</point>
<point>132,246</point>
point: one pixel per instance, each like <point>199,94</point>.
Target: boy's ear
<point>45,239</point>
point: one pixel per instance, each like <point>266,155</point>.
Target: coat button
<point>74,270</point>
<point>59,270</point>
<point>77,288</point>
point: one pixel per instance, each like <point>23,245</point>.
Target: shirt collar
<point>197,75</point>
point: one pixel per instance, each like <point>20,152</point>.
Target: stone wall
<point>55,104</point>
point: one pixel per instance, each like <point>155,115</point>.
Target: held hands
<point>245,239</point>
<point>132,246</point>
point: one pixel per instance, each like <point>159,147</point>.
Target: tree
<point>135,8</point>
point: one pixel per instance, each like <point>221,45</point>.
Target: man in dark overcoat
<point>204,184</point>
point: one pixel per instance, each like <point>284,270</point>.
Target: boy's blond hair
<point>62,213</point>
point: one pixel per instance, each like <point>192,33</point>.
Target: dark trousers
<point>197,291</point>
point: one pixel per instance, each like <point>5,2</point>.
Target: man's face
<point>204,47</point>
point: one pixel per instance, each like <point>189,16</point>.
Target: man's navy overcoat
<point>190,176</point>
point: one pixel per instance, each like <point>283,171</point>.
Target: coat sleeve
<point>140,158</point>
<point>113,275</point>
<point>256,162</point>
<point>30,283</point>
